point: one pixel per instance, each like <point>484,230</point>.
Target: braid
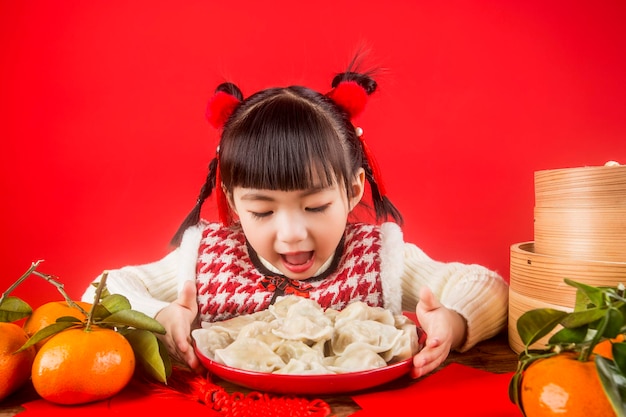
<point>383,207</point>
<point>218,113</point>
<point>194,215</point>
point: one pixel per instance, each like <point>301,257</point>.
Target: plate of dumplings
<point>296,347</point>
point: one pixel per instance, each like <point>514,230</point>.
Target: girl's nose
<point>290,228</point>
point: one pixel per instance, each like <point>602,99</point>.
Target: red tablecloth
<point>454,390</point>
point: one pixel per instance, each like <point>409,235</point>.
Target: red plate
<point>306,384</point>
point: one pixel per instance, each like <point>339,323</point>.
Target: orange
<point>79,366</point>
<point>48,313</point>
<point>605,347</point>
<point>15,366</point>
<point>563,386</point>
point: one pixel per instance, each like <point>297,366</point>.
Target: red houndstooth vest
<point>230,283</point>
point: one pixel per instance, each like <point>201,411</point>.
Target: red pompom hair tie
<point>220,107</point>
<point>350,96</point>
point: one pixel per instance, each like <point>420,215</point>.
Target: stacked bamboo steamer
<point>580,234</point>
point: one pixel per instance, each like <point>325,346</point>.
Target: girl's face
<point>296,231</point>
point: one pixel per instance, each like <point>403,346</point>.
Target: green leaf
<point>69,319</point>
<point>46,332</point>
<point>595,295</point>
<point>13,309</point>
<point>565,336</point>
<point>582,318</point>
<point>619,356</point>
<point>615,321</point>
<point>614,384</point>
<point>136,319</point>
<point>148,353</point>
<point>514,390</point>
<point>115,302</point>
<point>100,312</point>
<point>535,324</point>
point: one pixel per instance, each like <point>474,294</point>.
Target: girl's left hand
<point>445,330</point>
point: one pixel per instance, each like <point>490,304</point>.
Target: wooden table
<point>493,355</point>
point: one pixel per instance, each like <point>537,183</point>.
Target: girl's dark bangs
<point>287,146</point>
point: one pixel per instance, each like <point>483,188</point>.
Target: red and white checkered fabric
<point>229,284</point>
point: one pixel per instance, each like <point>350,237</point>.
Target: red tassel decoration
<point>350,96</point>
<point>199,388</point>
<point>220,107</point>
<point>222,203</point>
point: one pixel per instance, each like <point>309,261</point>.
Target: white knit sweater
<point>475,292</point>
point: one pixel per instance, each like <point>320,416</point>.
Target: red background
<point>105,146</point>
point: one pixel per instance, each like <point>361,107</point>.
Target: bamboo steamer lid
<point>581,212</point>
<point>600,186</point>
<point>596,233</point>
<point>541,277</point>
<point>518,305</point>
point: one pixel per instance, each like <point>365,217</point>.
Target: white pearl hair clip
<point>358,131</point>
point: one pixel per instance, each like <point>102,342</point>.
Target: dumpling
<point>407,344</point>
<point>359,310</point>
<point>249,354</point>
<point>209,340</point>
<point>357,358</point>
<point>235,324</point>
<point>301,319</point>
<point>378,336</point>
<point>261,331</point>
<point>304,367</point>
<point>300,359</point>
<point>293,349</point>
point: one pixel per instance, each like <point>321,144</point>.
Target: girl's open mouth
<point>298,262</point>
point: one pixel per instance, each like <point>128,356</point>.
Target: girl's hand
<point>177,318</point>
<point>445,330</point>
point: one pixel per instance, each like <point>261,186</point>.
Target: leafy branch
<point>112,311</point>
<point>599,315</point>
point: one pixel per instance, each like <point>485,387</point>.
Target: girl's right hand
<point>177,318</point>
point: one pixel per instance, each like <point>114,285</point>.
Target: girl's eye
<point>319,209</point>
<point>261,215</point>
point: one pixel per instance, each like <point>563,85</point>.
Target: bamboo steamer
<point>537,281</point>
<point>580,234</point>
<point>518,305</point>
<point>599,186</point>
<point>597,233</point>
<point>542,276</point>
<point>581,212</point>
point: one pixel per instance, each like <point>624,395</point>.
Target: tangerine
<point>81,365</point>
<point>15,367</point>
<point>48,313</point>
<point>605,348</point>
<point>561,385</point>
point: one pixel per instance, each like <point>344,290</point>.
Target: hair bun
<point>365,81</point>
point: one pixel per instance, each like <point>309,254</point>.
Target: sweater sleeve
<point>477,293</point>
<point>149,287</point>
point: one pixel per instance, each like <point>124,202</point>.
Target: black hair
<point>290,138</point>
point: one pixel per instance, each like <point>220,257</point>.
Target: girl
<point>289,170</point>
